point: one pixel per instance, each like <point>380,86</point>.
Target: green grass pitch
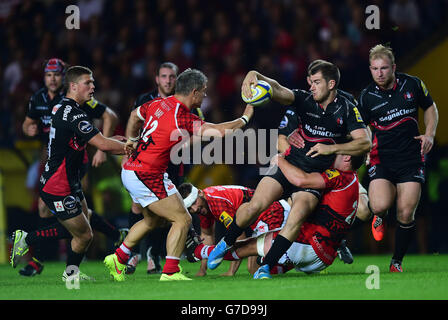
<point>425,278</point>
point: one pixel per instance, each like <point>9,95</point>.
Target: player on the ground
<point>166,83</point>
<point>165,123</point>
<point>326,118</point>
<point>220,203</point>
<point>60,185</point>
<point>322,232</point>
<point>37,124</point>
<point>397,161</point>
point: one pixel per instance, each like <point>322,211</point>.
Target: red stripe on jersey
<point>58,183</point>
<point>392,125</point>
<point>374,158</point>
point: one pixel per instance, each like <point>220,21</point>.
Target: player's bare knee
<point>405,217</point>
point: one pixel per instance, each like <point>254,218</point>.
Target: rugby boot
<point>378,228</point>
<point>19,248</point>
<point>344,253</point>
<point>217,255</point>
<point>395,266</point>
<point>116,269</point>
<point>263,273</point>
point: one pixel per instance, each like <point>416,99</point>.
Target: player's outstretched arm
<point>221,129</point>
<point>107,144</point>
<point>280,93</point>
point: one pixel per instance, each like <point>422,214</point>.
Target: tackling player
<point>397,161</point>
<point>321,233</point>
<point>219,204</point>
<point>326,118</point>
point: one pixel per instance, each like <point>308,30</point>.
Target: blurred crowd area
<point>123,42</point>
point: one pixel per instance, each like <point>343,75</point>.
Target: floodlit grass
<point>425,278</point>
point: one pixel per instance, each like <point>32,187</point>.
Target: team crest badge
<point>409,96</point>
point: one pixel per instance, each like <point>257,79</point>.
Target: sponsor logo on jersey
<point>92,103</point>
<point>78,116</point>
<point>425,90</point>
<point>332,173</point>
<point>396,114</point>
<point>69,202</point>
<point>283,123</point>
<point>58,206</point>
<point>85,126</point>
<point>226,219</point>
<point>357,114</point>
<point>67,110</point>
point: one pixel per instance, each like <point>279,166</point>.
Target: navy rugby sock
<point>279,248</point>
<point>232,234</point>
<point>403,237</point>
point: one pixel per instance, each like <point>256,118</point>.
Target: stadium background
<point>123,42</point>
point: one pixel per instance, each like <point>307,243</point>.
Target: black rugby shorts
<point>289,188</point>
<point>64,207</point>
<point>398,174</point>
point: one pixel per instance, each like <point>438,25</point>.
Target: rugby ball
<point>261,94</point>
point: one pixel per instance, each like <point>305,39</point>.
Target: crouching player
<point>322,232</point>
<point>218,204</point>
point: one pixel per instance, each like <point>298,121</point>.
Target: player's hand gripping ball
<point>261,94</point>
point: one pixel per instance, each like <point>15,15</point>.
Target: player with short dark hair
<point>390,105</point>
<point>326,118</point>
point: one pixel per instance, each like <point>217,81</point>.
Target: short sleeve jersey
<point>393,117</point>
<point>166,122</point>
<point>316,125</point>
<point>331,220</point>
<point>70,131</point>
<point>290,122</point>
<point>224,201</point>
<point>175,172</point>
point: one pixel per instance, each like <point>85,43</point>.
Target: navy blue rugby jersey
<point>316,125</point>
<point>290,122</point>
<point>393,116</point>
<point>71,129</point>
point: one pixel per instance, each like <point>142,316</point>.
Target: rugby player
<point>396,168</point>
